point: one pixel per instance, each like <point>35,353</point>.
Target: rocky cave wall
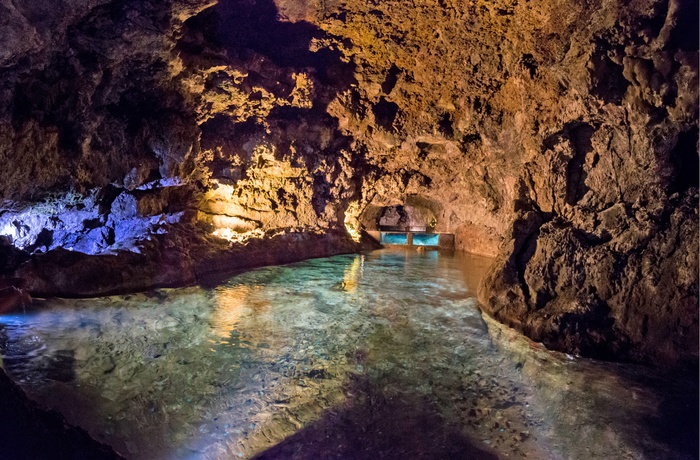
<point>566,132</point>
<point>560,137</point>
<point>118,102</point>
<point>157,134</point>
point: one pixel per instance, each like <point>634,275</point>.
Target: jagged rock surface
<point>567,132</point>
<point>139,132</point>
<point>559,136</point>
<point>178,258</point>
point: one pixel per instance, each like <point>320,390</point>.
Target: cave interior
<point>537,160</point>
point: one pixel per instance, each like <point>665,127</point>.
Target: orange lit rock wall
<point>560,137</point>
<point>565,131</point>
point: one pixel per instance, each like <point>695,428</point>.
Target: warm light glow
<point>222,211</point>
<point>352,223</point>
<point>353,274</point>
<point>229,234</point>
<point>232,304</point>
<point>275,195</point>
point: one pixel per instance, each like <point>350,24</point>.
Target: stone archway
<point>414,213</point>
<point>406,218</point>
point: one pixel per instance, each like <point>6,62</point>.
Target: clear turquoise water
<point>383,355</point>
<point>426,239</point>
<point>394,238</point>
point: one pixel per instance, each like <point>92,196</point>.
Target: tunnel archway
<point>406,218</point>
<point>414,221</point>
<point>413,213</point>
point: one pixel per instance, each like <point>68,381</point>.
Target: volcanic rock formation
<point>163,140</point>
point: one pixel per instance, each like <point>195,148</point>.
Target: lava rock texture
<point>559,137</point>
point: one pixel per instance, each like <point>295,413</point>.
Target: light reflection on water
<point>382,355</point>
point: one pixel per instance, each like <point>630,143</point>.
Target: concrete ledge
<point>445,240</point>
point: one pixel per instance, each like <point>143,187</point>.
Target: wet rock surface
<point>628,296</point>
<point>177,258</point>
<point>563,381</point>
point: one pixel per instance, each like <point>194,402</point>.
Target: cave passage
<point>382,355</point>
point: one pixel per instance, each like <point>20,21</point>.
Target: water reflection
<point>231,305</point>
<point>353,273</point>
<point>383,355</point>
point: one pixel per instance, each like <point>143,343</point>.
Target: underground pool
<point>380,355</point>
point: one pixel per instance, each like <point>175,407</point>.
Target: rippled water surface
<point>383,355</point>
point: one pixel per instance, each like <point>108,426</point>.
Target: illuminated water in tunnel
<point>382,355</point>
<point>426,239</point>
<point>394,238</point>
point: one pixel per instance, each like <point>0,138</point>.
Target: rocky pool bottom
<point>381,355</point>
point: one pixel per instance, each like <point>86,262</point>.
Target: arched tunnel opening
<point>413,221</point>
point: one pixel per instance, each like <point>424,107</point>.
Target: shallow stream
<point>382,355</point>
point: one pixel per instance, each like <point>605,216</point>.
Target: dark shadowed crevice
<point>521,259</point>
<point>580,136</point>
<point>684,158</point>
<point>391,79</point>
<point>606,77</point>
<point>528,61</point>
<point>385,113</point>
<point>243,26</point>
<point>445,126</point>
